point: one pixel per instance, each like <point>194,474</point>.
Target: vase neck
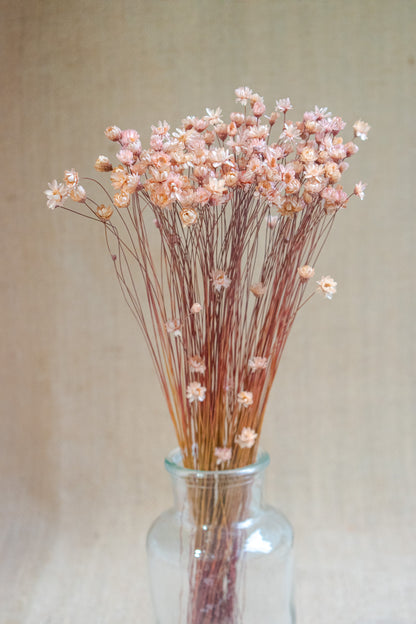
<point>212,497</point>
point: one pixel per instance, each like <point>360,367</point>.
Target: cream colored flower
<point>113,133</point>
<point>196,308</point>
<point>188,216</point>
<point>361,129</point>
<point>283,105</point>
<point>247,438</point>
<point>258,363</point>
<point>245,398</point>
<point>104,212</point>
<point>118,177</point>
<point>243,95</point>
<point>78,193</point>
<point>359,189</point>
<point>328,286</point>
<point>258,289</point>
<point>195,392</point>
<point>71,177</point>
<point>223,454</point>
<point>55,194</point>
<point>121,199</point>
<point>197,364</point>
<point>220,280</point>
<point>103,163</point>
<point>173,327</point>
<point>306,272</point>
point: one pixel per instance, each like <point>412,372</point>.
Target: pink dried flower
<point>121,199</point>
<point>197,364</point>
<point>55,194</point>
<point>118,177</point>
<point>104,212</point>
<point>223,454</point>
<point>220,279</point>
<point>247,438</point>
<point>196,308</point>
<point>78,193</point>
<point>359,189</point>
<point>258,363</point>
<point>126,157</point>
<point>258,289</point>
<point>243,95</point>
<point>103,164</point>
<point>245,398</point>
<point>195,392</point>
<point>259,108</point>
<point>113,133</point>
<point>327,286</point>
<point>71,177</point>
<point>306,272</point>
<point>283,105</point>
<point>188,216</point>
<point>361,129</point>
<point>173,327</point>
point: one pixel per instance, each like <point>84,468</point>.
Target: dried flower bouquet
<point>222,225</point>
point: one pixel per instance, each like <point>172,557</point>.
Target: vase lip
<point>173,464</point>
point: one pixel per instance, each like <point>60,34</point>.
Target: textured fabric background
<point>83,427</point>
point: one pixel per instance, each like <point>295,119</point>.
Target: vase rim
<point>174,467</point>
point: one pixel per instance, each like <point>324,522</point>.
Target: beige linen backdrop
<point>84,429</point>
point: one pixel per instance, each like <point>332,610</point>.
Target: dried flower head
<point>306,272</point>
<point>361,129</point>
<point>223,454</point>
<point>188,216</point>
<point>328,286</point>
<point>173,327</point>
<point>247,438</point>
<point>113,133</point>
<point>359,189</point>
<point>78,193</point>
<point>258,363</point>
<point>258,289</point>
<point>71,177</point>
<point>245,398</point>
<point>220,279</point>
<point>195,392</point>
<point>197,364</point>
<point>103,163</point>
<point>104,212</point>
<point>196,308</point>
<point>55,194</point>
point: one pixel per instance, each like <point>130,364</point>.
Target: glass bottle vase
<point>220,556</point>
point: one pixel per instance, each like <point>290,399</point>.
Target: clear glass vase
<point>220,556</point>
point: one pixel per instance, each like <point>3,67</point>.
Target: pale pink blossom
<point>118,177</point>
<point>214,116</point>
<point>245,398</point>
<point>104,212</point>
<point>126,157</point>
<point>259,108</point>
<point>283,105</point>
<point>113,133</point>
<point>247,438</point>
<point>243,95</point>
<point>220,279</point>
<point>258,289</point>
<point>121,199</point>
<point>78,193</point>
<point>290,133</point>
<point>130,140</point>
<point>223,454</point>
<point>361,129</point>
<point>71,177</point>
<point>55,194</point>
<point>196,308</point>
<point>195,392</point>
<point>306,272</point>
<point>197,364</point>
<point>103,164</point>
<point>359,189</point>
<point>188,216</point>
<point>258,363</point>
<point>173,326</point>
<point>327,286</point>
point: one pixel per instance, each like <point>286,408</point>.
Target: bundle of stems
<point>214,232</point>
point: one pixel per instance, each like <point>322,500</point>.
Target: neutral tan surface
<point>83,428</point>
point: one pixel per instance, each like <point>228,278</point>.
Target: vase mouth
<point>173,464</point>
